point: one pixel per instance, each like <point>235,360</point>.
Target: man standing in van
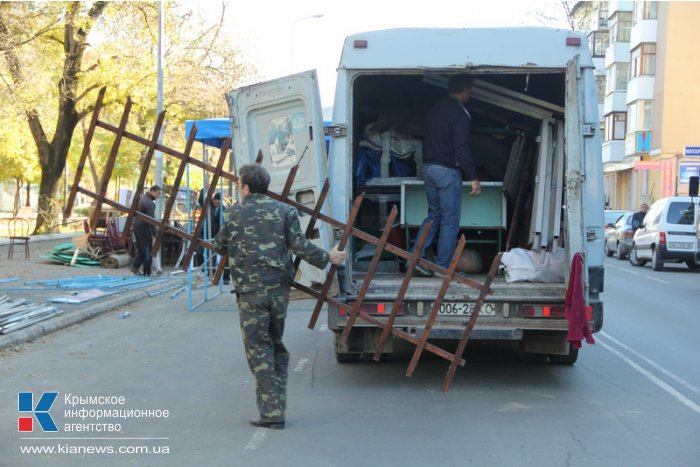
<point>446,161</point>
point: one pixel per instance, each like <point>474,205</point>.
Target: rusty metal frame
<point>386,323</point>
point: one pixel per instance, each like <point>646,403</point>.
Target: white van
<point>668,234</point>
<point>534,131</point>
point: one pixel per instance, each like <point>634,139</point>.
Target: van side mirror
<point>693,186</point>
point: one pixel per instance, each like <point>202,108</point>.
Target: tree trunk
<point>18,194</point>
<point>29,188</point>
<point>49,206</point>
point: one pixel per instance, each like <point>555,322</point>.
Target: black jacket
<point>147,206</point>
<point>446,140</point>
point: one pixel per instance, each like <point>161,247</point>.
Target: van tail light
<point>550,311</point>
<point>379,309</point>
<point>662,238</point>
<point>629,234</point>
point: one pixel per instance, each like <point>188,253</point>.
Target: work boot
<point>259,422</point>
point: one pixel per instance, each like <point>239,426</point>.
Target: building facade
<point>651,138</point>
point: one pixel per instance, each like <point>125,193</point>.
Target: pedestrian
<point>638,217</point>
<point>447,159</point>
<point>144,232</point>
<point>260,235</point>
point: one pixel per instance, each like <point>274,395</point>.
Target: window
<point>644,10</point>
<point>681,213</point>
<point>615,125</point>
<point>639,115</point>
<point>600,88</point>
<point>603,18</point>
<point>620,26</point>
<point>643,59</point>
<point>617,77</point>
<point>598,42</point>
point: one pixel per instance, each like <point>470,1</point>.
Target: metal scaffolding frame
<point>348,229</point>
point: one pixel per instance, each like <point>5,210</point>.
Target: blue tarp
<point>212,131</point>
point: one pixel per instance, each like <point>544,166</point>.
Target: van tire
<point>692,265</point>
<point>569,359</point>
<point>657,264</point>
<point>633,259</point>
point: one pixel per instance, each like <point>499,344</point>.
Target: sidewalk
<point>37,268</point>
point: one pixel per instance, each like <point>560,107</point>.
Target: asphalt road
<point>633,399</point>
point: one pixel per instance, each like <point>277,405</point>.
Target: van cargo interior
<point>517,142</point>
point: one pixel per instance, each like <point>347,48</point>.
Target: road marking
<point>324,327</point>
<point>257,438</point>
<point>660,383</point>
<point>300,365</point>
<point>678,379</point>
<point>631,272</point>
<point>659,280</point>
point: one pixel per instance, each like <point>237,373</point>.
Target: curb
<point>69,319</point>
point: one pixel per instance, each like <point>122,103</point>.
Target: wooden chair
<point>18,229</point>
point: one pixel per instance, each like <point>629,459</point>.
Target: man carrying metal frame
<point>260,235</point>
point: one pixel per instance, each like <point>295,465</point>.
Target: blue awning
<point>211,131</point>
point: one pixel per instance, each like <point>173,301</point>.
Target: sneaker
<point>439,275</point>
<point>420,271</point>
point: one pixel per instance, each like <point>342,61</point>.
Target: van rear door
<point>283,119</point>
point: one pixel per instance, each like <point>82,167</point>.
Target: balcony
<point>614,7</point>
<point>637,143</point>
<point>643,32</point>
<point>613,151</point>
<point>641,87</point>
<point>616,101</point>
<point>617,52</point>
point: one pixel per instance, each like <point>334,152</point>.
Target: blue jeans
<point>443,186</point>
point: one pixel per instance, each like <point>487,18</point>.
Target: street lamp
<point>316,16</point>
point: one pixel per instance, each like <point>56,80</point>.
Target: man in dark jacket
<point>638,217</point>
<point>260,235</point>
<point>446,160</point>
<point>144,232</point>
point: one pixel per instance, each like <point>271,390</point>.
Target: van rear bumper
<point>678,255</point>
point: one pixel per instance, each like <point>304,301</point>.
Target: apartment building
<point>651,144</point>
<point>650,133</point>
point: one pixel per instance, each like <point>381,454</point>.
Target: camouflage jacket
<point>260,235</point>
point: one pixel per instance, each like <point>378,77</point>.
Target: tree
<point>51,72</point>
<point>68,25</point>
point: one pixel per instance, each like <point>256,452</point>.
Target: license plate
<point>465,309</point>
<point>681,245</point>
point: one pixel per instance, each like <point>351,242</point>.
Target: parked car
<point>619,238</point>
<point>668,234</point>
<point>611,217</point>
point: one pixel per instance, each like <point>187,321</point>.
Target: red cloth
<point>575,306</point>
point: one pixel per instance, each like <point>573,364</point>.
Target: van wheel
<point>527,357</point>
<point>569,359</point>
<point>608,251</point>
<point>692,265</point>
<point>634,260</point>
<point>657,263</point>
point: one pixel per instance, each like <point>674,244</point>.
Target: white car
<point>669,233</point>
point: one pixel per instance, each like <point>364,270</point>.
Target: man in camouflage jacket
<point>260,235</point>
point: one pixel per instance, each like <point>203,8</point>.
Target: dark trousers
<point>262,315</point>
<point>144,245</point>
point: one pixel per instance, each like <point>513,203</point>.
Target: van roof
<point>418,48</point>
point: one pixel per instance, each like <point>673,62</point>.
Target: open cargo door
<point>574,169</point>
<point>283,119</point>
